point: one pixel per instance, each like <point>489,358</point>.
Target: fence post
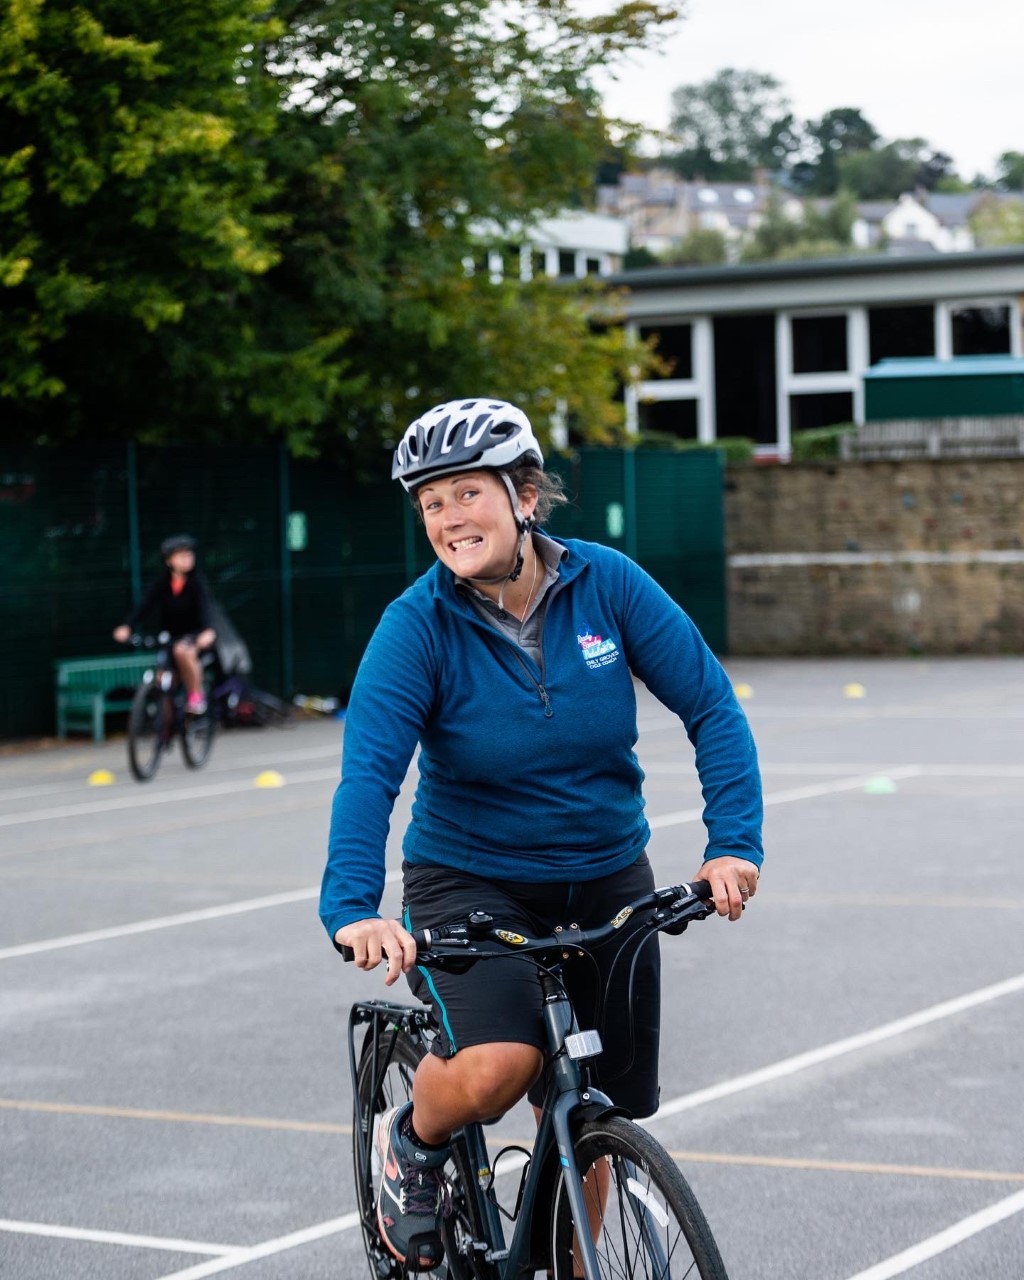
<point>287,622</point>
<point>629,501</point>
<point>134,550</point>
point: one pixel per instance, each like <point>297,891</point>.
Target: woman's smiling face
<point>469,521</point>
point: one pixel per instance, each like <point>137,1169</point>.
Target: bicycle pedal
<point>427,1242</point>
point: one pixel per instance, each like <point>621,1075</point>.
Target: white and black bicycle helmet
<point>462,435</point>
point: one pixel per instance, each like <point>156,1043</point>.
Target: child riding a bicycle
<point>510,664</point>
<point>179,603</point>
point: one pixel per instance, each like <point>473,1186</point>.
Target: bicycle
<point>590,1163</point>
<point>158,714</point>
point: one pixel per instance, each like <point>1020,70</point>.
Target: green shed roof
<point>958,367</point>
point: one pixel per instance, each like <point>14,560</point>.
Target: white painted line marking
<point>116,1237</point>
<point>159,922</point>
<point>788,797</point>
<point>136,801</point>
<point>267,1249</point>
<point>170,922</point>
<point>863,1040</point>
<point>948,1239</point>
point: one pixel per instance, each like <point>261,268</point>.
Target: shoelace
<point>421,1191</point>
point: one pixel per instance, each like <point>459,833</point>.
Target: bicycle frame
<point>569,1101</point>
<point>566,1096</point>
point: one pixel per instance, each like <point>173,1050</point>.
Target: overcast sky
<point>950,71</point>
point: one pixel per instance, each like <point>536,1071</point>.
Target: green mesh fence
<point>303,557</point>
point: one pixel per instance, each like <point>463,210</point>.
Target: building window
<point>540,263</point>
<point>566,262</point>
<point>819,344</point>
<point>669,417</point>
<point>675,346</point>
<point>822,409</point>
<point>981,331</point>
<point>901,331</point>
<point>593,266</point>
<point>745,377</point>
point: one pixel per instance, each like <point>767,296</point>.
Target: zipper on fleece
<point>518,653</point>
<point>519,656</point>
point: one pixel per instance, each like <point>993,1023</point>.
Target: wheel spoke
<point>646,1223</point>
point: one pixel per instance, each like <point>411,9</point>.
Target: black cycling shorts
<point>500,1000</point>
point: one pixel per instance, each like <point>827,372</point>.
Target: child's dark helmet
<point>177,542</point>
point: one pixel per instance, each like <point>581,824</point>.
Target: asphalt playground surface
<point>842,1076</point>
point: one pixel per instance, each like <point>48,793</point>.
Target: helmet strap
<point>523,523</point>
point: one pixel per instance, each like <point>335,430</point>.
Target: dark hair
<point>550,488</point>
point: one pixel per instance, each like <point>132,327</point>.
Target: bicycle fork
<point>568,1080</point>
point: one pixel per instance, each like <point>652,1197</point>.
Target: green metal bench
<point>87,688</point>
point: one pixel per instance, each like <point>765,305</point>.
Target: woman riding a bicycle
<point>510,664</point>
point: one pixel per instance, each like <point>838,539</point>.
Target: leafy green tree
<point>410,129</point>
<point>134,212</point>
<point>731,125</point>
<point>233,223</point>
<point>1010,173</point>
<point>997,221</point>
<point>841,132</point>
<point>703,247</point>
<point>820,231</point>
<point>890,170</point>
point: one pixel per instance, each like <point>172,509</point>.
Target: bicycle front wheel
<point>197,738</point>
<point>146,731</point>
<point>641,1213</point>
<point>385,1073</point>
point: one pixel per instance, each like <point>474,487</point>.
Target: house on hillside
<point>662,209</point>
<point>922,221</point>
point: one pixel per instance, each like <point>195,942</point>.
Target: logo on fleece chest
<point>598,650</point>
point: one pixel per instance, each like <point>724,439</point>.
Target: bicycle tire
<point>197,733</point>
<point>652,1227</point>
<point>402,1055</point>
<point>146,731</point>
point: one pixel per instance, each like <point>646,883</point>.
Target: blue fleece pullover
<point>526,773</point>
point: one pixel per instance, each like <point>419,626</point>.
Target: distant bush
<point>820,442</point>
<point>734,448</point>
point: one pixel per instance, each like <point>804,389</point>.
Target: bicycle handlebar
<point>672,908</point>
<point>139,641</point>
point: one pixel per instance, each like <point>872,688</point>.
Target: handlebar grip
<point>422,938</point>
<point>701,889</point>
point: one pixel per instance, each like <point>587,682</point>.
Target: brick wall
<point>876,557</point>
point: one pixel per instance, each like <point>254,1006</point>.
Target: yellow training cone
<point>743,691</point>
<point>854,691</point>
<point>268,778</point>
<point>101,778</point>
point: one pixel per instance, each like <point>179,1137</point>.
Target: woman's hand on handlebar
<point>732,880</point>
<point>373,940</point>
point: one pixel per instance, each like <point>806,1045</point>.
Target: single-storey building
<point>766,349</point>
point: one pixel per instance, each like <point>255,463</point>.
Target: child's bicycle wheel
<point>197,737</point>
<point>147,731</point>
